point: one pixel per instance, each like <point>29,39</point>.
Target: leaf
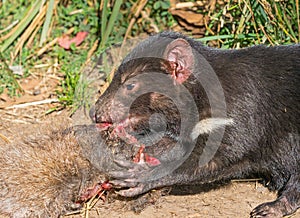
<point>65,41</point>
<point>190,17</point>
<point>165,4</point>
<point>79,38</point>
<point>157,5</point>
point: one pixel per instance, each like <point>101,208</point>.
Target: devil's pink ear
<point>180,55</point>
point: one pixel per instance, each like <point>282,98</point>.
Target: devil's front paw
<point>132,175</point>
<point>134,191</point>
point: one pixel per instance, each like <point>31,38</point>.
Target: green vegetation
<point>29,32</point>
<point>256,22</point>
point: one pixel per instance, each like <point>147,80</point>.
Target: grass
<point>33,40</point>
<point>255,22</point>
<point>8,78</point>
<point>57,19</point>
<point>30,31</point>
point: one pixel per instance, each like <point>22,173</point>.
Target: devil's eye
<point>130,86</point>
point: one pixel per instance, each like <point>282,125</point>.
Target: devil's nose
<point>92,114</point>
<point>103,119</point>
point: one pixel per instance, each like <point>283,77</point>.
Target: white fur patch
<point>209,125</point>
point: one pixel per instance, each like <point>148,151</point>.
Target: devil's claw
<point>131,192</point>
<point>132,166</point>
<point>124,183</point>
<point>130,173</point>
<point>121,174</point>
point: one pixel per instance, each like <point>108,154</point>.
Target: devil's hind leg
<point>288,201</point>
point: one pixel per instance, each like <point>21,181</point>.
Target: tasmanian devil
<point>208,115</point>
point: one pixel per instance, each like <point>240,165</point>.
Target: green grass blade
<point>111,22</point>
<point>22,25</point>
<point>104,16</point>
<point>282,24</point>
<point>287,23</point>
<point>239,36</point>
<point>298,18</point>
<point>47,22</point>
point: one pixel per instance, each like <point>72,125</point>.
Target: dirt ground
<point>236,199</point>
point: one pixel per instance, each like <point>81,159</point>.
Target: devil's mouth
<point>104,125</point>
<point>133,130</point>
<point>137,125</point>
<point>124,131</point>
